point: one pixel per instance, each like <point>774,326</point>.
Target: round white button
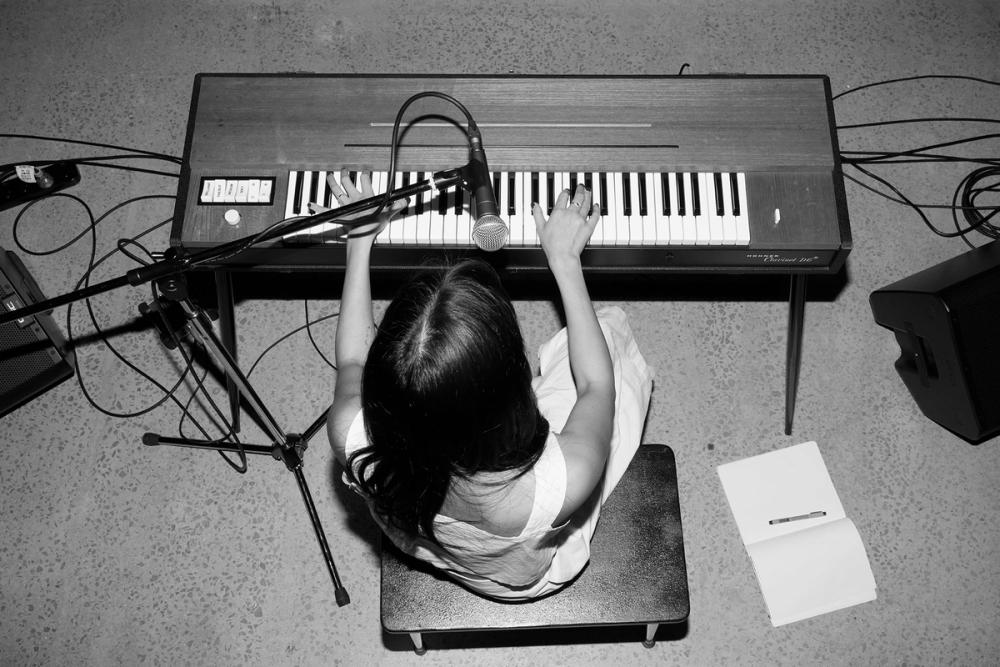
<point>233,216</point>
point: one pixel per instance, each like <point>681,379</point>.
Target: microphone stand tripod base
<point>287,447</point>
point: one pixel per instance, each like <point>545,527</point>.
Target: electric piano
<point>734,174</point>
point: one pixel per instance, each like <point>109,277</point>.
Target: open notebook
<point>808,555</point>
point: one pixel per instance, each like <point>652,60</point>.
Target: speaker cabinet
<point>947,323</point>
<point>33,356</point>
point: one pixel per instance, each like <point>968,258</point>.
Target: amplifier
<point>33,355</point>
<point>947,324</point>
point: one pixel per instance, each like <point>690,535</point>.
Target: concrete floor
<point>114,553</point>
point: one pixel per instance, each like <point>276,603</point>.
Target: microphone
<point>489,232</point>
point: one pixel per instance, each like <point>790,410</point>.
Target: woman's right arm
<point>355,325</point>
<point>586,436</point>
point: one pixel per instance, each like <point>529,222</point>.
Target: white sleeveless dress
<point>542,558</point>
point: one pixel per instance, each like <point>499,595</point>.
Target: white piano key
<point>635,223</point>
<point>685,208</point>
<point>676,220</point>
<point>649,220</point>
<point>715,226</point>
<point>396,228</point>
<point>379,180</point>
<point>701,218</point>
<point>543,192</point>
<point>729,220</point>
<point>463,222</point>
<point>515,220</point>
<point>743,221</point>
<point>502,194</point>
<point>527,217</point>
<point>661,220</point>
<point>412,231</point>
<point>290,204</point>
<point>597,238</point>
<point>450,219</point>
<point>619,234</point>
<point>561,183</point>
<point>322,187</point>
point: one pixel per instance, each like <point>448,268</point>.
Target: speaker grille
<point>22,356</point>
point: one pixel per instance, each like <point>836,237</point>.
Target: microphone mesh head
<point>490,233</point>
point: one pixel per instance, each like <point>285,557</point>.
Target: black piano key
<point>324,192</point>
<point>313,188</point>
<point>534,187</point>
<point>626,194</point>
<point>496,189</point>
<point>681,197</point>
<point>603,183</point>
<point>572,182</point>
<point>695,194</point>
<point>419,207</point>
<point>442,196</point>
<point>297,196</point>
<point>734,189</point>
<point>353,175</point>
<point>717,181</point>
<point>588,181</point>
<point>643,209</point>
<point>511,193</point>
<point>550,189</point>
<point>459,195</point>
<point>406,202</point>
<point>665,185</point>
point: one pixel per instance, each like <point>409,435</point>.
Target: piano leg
<point>227,331</point>
<point>796,315</point>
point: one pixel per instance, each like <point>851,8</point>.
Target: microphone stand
<point>171,283</point>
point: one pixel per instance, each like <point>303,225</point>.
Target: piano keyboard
<point>637,209</point>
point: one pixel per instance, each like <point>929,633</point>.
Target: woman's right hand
<point>566,232</point>
<point>346,191</point>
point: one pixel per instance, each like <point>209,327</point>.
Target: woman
<point>464,460</point>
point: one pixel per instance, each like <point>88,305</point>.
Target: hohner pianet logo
<point>776,258</point>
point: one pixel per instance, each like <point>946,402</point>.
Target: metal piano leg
<point>227,331</point>
<point>796,315</point>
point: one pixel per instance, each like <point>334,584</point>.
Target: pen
<point>786,519</point>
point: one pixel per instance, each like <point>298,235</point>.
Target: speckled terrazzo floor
<point>113,553</point>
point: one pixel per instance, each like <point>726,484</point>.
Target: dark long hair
<point>446,391</point>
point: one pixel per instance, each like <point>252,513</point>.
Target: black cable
<point>285,337</point>
<point>313,340</point>
<point>966,199</point>
<point>958,77</point>
<point>928,119</point>
<point>94,222</point>
<point>39,137</point>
